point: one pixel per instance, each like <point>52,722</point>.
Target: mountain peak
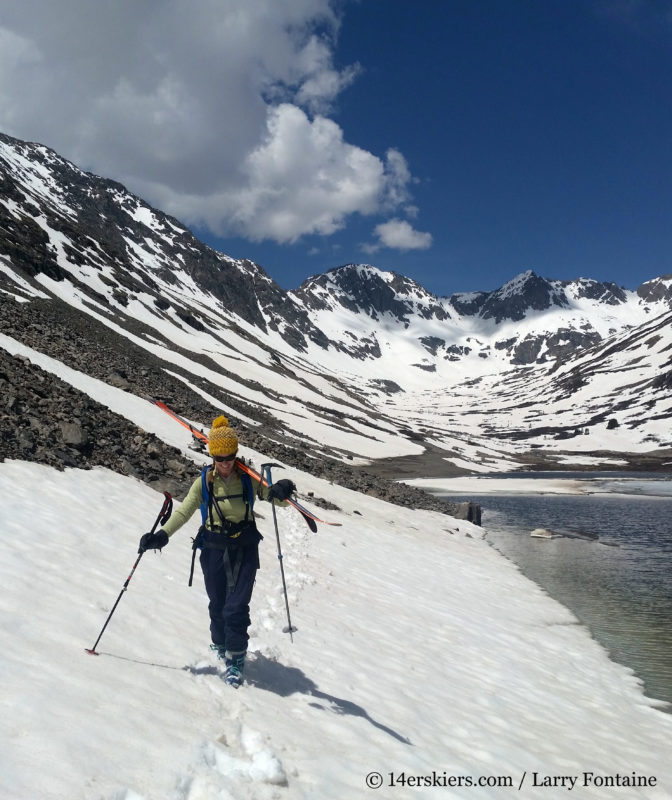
<point>514,300</point>
<point>657,289</point>
<point>518,283</point>
<point>522,294</point>
<point>363,288</point>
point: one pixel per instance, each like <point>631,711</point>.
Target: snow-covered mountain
<point>356,364</point>
<point>528,320</point>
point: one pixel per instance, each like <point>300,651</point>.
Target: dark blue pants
<point>229,605</point>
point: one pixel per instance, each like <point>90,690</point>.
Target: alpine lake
<point>610,564</point>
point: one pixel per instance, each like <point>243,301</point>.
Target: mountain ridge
<point>339,366</point>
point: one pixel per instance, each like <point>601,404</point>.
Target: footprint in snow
<point>239,759</point>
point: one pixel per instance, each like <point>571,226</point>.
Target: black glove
<point>281,490</point>
<point>153,541</point>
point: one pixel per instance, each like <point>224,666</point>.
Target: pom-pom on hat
<point>223,440</point>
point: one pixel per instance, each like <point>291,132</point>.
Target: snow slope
<point>419,649</point>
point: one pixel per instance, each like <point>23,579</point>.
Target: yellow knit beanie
<point>223,440</point>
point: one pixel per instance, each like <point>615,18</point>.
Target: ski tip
<point>91,652</point>
<point>310,522</point>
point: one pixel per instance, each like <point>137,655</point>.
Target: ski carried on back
<point>308,516</point>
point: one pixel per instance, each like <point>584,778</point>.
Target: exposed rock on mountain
<point>59,221</point>
<point>45,419</point>
<point>360,288</point>
<point>527,292</point>
<point>559,318</point>
<point>357,368</point>
<point>658,290</point>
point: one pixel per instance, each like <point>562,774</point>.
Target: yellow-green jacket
<point>232,509</point>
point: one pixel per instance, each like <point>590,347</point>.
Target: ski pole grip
<point>166,511</point>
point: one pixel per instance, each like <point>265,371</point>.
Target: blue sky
<point>539,134</point>
<point>458,142</point>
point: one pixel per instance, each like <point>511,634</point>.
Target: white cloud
<point>214,110</point>
<point>321,83</point>
<point>303,178</point>
<point>399,176</point>
<point>397,234</point>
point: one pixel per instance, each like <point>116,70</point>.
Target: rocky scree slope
<point>44,419</point>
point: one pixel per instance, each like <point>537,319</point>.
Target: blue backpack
<point>207,501</point>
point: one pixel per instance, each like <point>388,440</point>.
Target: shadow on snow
<point>272,676</point>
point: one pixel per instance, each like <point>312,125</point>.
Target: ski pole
<point>289,629</point>
<point>164,515</point>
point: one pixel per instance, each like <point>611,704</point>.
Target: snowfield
<point>419,650</point>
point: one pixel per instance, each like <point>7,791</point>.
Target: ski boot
<point>234,668</point>
<point>220,649</point>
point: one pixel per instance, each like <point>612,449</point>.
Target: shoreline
<point>603,485</point>
<point>656,702</point>
<point>642,488</point>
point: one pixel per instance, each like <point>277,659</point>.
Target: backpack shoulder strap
<point>206,481</point>
<point>206,495</point>
<point>248,490</point>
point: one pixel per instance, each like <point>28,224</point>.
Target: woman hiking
<point>228,539</point>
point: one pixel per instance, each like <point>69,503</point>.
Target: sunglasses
<point>219,459</point>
